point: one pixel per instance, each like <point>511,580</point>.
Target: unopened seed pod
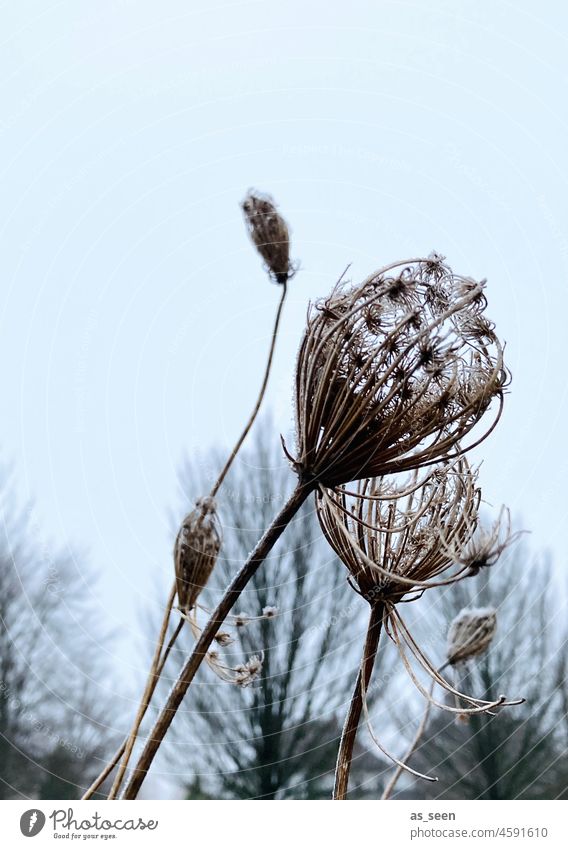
<point>196,550</point>
<point>471,633</point>
<point>269,233</point>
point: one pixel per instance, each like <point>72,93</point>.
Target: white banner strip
<point>246,825</point>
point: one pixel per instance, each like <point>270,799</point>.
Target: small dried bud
<point>242,620</point>
<point>195,552</point>
<point>248,672</point>
<point>470,633</point>
<point>269,612</point>
<point>224,638</point>
<point>269,233</point>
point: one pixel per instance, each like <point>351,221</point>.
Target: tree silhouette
<point>54,710</point>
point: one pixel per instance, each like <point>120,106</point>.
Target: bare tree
<point>54,708</point>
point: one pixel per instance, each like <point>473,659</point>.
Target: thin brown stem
<point>148,692</point>
<point>125,750</point>
<point>120,751</point>
<point>349,733</point>
<point>233,591</point>
<point>387,793</point>
<point>259,400</point>
<point>102,776</point>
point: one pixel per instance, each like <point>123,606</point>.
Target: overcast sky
<point>135,315</point>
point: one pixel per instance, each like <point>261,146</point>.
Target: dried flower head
<point>393,373</point>
<point>241,620</point>
<point>470,633</point>
<point>269,233</point>
<point>249,671</point>
<point>195,551</point>
<point>486,546</point>
<point>394,539</point>
<point>269,612</point>
<point>224,638</point>
<point>399,540</point>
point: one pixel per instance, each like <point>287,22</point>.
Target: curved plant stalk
<point>232,593</point>
<point>413,745</point>
<point>349,733</point>
<point>124,752</point>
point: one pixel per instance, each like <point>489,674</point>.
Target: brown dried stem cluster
<point>393,376</point>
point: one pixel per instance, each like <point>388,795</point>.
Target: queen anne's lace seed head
<point>393,373</point>
<point>471,633</point>
<point>269,233</point>
<point>195,551</point>
<point>395,539</point>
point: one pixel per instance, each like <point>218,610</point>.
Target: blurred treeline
<point>278,739</point>
<point>56,707</point>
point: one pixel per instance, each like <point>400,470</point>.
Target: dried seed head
<point>470,633</point>
<point>195,551</point>
<point>249,671</point>
<point>269,233</point>
<point>269,612</point>
<point>394,539</point>
<point>224,638</point>
<point>242,620</point>
<point>398,541</point>
<point>486,546</point>
<point>393,373</point>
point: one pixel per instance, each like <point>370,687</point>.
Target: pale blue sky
<point>135,316</point>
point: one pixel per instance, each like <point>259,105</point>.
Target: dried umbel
<point>270,235</point>
<point>195,551</point>
<point>396,539</point>
<point>471,633</point>
<point>243,674</point>
<point>486,546</point>
<point>393,373</point>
